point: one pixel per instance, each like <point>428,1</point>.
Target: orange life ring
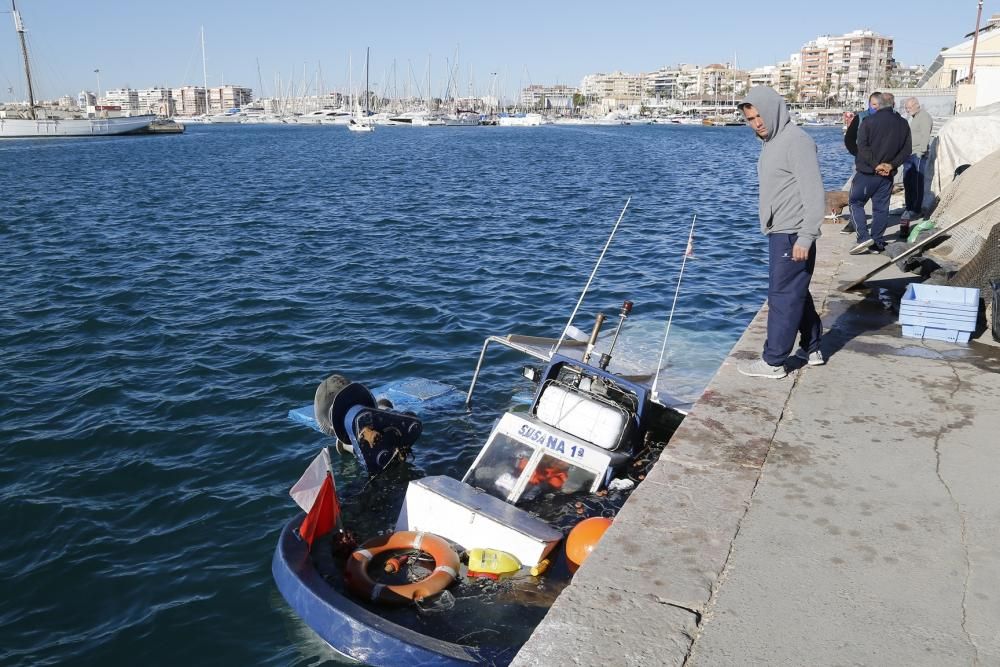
<point>446,566</point>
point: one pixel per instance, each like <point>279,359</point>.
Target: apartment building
<point>540,97</point>
<point>189,100</point>
<point>951,67</point>
<point>814,70</point>
<point>126,98</point>
<point>617,88</point>
<point>844,67</point>
<point>156,100</point>
<point>222,98</point>
<point>86,99</point>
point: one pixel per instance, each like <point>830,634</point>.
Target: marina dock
<point>846,514</point>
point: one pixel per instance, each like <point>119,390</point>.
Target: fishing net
<point>975,188</point>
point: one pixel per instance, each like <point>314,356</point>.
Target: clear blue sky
<point>139,44</point>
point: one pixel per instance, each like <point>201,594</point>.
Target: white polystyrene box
<point>471,518</point>
<point>585,418</point>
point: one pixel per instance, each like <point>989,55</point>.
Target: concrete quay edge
<point>844,514</point>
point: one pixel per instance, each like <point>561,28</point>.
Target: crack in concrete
<point>962,524</point>
<point>717,586</point>
<point>709,606</point>
<point>659,600</point>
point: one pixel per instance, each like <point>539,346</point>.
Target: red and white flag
<point>316,493</point>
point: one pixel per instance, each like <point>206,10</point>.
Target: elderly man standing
<point>791,212</point>
<point>883,146</point>
<point>915,167</point>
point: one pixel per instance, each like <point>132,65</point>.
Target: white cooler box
<point>473,519</point>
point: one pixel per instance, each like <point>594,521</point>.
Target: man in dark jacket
<point>883,147</point>
<point>851,143</point>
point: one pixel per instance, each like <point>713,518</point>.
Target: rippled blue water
<point>165,300</point>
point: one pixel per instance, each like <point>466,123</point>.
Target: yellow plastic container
<point>492,563</point>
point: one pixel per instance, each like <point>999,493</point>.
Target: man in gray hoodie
<point>791,209</point>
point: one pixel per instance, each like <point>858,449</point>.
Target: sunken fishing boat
<point>471,564</point>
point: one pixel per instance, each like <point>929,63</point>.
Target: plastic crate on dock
<point>939,312</point>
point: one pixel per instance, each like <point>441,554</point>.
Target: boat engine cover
<point>380,436</point>
<point>581,416</point>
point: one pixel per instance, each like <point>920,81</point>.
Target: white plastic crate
<point>949,335</point>
<point>939,312</point>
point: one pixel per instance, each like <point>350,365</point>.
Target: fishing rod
<point>593,273</point>
<point>920,246</point>
<point>688,252</point>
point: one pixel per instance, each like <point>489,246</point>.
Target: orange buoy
<point>583,538</point>
<point>446,566</point>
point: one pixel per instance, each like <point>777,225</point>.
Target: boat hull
<point>14,128</point>
<point>349,628</point>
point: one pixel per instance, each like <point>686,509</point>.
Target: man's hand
<point>799,254</point>
<point>883,169</point>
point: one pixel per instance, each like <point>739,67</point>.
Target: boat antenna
<point>19,27</point>
<point>688,252</point>
<point>591,278</point>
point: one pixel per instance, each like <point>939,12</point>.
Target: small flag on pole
<point>316,494</point>
<point>689,252</point>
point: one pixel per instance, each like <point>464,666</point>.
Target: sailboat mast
<point>367,94</point>
<point>19,27</point>
<point>204,69</point>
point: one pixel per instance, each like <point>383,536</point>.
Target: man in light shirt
<point>915,168</point>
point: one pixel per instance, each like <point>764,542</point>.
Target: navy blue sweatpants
<point>790,305</point>
<point>877,188</point>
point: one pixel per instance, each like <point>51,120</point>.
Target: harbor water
<point>165,300</point>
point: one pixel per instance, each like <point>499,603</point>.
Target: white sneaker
<point>762,369</point>
<point>862,247</point>
<point>812,358</point>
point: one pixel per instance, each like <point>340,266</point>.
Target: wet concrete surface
<point>847,514</point>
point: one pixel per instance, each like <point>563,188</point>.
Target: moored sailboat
<point>38,123</point>
<point>363,123</point>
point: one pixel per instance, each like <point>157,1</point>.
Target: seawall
<point>846,514</point>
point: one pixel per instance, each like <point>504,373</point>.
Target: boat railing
<point>531,346</point>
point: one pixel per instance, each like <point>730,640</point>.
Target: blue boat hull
<point>350,628</point>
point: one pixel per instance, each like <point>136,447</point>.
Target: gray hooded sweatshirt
<point>792,198</point>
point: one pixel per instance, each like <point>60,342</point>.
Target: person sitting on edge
<point>883,146</point>
<point>915,168</point>
<point>851,143</point>
<point>791,212</point>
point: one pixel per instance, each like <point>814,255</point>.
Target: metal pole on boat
<point>19,27</point>
<point>586,287</point>
<point>688,252</point>
<point>606,357</point>
<point>339,523</point>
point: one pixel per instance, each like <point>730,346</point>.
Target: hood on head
<point>771,107</point>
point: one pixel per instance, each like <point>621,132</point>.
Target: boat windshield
<point>500,466</point>
<point>552,475</point>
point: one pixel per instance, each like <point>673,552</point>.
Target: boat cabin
<point>583,424</point>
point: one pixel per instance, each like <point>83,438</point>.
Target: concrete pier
<point>847,514</point>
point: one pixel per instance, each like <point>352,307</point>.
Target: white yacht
<point>462,118</point>
<point>520,120</point>
<point>229,116</point>
<point>324,117</point>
